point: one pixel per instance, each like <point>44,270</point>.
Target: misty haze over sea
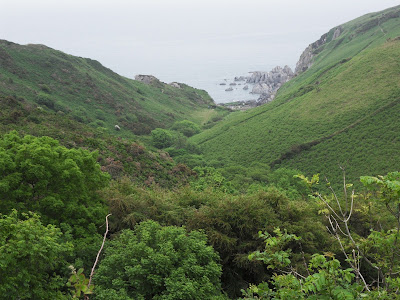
<point>206,65</point>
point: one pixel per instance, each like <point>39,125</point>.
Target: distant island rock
<point>241,78</point>
<point>229,89</point>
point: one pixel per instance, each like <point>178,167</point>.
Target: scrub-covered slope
<point>92,94</point>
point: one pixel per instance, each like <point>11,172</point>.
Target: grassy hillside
<point>92,94</point>
<point>344,110</point>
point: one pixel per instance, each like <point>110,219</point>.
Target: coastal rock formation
<point>306,58</point>
<point>260,88</point>
<point>241,78</point>
<point>267,83</point>
<point>229,89</point>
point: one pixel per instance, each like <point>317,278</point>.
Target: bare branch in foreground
<point>98,253</point>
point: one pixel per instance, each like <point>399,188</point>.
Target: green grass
<point>351,89</point>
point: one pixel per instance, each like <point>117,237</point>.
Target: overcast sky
<point>166,36</point>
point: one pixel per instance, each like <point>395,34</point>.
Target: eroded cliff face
<point>307,57</point>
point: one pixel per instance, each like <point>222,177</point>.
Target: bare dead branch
<point>351,206</point>
<point>335,196</point>
<point>327,204</point>
<point>98,253</point>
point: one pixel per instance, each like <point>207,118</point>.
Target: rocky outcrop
<point>229,89</point>
<point>267,83</point>
<point>147,79</point>
<point>307,57</point>
<point>175,85</point>
<point>337,33</point>
<point>260,88</point>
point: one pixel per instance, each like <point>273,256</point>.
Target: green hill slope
<point>119,157</point>
<point>344,110</point>
<point>93,94</point>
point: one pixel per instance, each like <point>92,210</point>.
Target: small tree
<point>155,262</point>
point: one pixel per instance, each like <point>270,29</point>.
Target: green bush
<point>45,100</point>
<point>186,127</point>
<point>155,262</point>
<point>161,138</point>
<point>32,258</point>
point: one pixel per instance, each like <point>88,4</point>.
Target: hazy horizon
<point>196,42</point>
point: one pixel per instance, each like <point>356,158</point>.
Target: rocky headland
<point>307,57</point>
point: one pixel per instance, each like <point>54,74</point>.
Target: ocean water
<point>206,64</point>
<point>209,78</point>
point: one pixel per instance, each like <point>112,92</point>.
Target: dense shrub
<point>155,262</point>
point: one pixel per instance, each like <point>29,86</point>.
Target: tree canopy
<point>59,184</point>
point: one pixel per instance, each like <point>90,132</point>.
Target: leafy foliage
<point>155,262</point>
<point>79,283</point>
<point>38,174</point>
<point>60,184</point>
<point>325,278</point>
<point>32,258</point>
